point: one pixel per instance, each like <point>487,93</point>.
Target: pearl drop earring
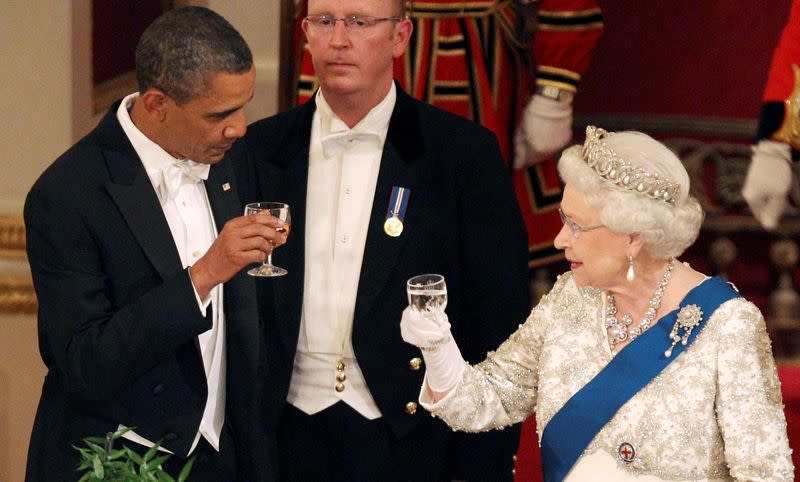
<point>630,275</point>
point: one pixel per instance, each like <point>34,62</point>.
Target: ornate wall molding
<point>12,237</point>
<point>17,296</point>
<point>16,293</point>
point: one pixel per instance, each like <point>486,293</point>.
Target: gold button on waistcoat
<point>411,408</point>
<point>340,376</point>
<point>415,364</point>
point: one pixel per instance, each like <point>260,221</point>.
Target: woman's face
<point>597,257</point>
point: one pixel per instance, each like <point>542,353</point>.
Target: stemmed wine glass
<point>280,211</point>
<point>427,293</point>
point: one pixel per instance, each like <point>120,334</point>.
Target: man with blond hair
<point>382,187</point>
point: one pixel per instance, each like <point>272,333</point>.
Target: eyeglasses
<point>576,228</point>
<point>352,23</point>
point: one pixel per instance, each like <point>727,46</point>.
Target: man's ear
<point>155,103</point>
<point>304,28</point>
<point>401,36</point>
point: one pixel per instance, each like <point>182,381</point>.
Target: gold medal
<point>398,201</point>
<point>393,226</point>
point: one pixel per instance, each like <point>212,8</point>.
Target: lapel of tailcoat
<point>399,167</point>
<point>133,193</point>
<point>291,187</point>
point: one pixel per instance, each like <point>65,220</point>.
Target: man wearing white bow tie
<point>382,188</point>
<point>137,243</point>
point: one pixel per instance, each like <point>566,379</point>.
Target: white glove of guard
<point>545,128</point>
<point>769,179</point>
<point>431,333</point>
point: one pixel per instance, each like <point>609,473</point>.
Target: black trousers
<point>339,444</point>
<point>209,465</point>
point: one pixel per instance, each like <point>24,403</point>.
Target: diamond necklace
<point>620,330</point>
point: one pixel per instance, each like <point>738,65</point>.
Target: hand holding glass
<point>280,211</point>
<point>427,293</point>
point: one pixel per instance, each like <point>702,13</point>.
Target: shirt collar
<point>154,158</point>
<point>375,122</point>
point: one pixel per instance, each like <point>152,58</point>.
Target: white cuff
<point>201,303</point>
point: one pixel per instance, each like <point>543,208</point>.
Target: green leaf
<point>147,475</point>
<point>165,477</point>
<point>96,440</point>
<point>99,472</point>
<point>85,453</point>
<point>159,461</point>
<point>99,462</point>
<point>186,469</point>
<point>96,449</point>
<point>119,433</point>
<point>134,456</point>
<point>114,470</point>
<point>150,453</point>
<point>115,454</point>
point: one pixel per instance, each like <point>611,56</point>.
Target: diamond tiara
<point>620,172</point>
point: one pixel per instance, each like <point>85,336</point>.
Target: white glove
<point>431,333</point>
<point>769,178</point>
<point>545,128</point>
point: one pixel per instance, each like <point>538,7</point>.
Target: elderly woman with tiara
<point>637,366</point>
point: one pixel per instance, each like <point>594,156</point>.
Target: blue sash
<point>571,430</point>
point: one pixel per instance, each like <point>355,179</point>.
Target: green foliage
<point>100,461</point>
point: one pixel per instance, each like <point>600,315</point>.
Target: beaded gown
<point>715,413</point>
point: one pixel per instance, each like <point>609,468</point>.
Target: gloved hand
<point>545,128</point>
<point>431,333</point>
<point>769,179</point>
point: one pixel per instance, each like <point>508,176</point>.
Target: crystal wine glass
<point>427,293</point>
<point>280,211</point>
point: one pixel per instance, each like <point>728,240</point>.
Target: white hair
<point>666,229</point>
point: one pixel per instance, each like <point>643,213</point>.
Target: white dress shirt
<point>342,174</point>
<point>191,222</point>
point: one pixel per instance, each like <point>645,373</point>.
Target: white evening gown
<point>715,413</point>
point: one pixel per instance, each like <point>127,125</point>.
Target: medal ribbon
<point>398,202</point>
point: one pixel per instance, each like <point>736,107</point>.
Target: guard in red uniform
<point>770,180</point>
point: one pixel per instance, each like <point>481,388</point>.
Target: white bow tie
<point>180,172</point>
<point>334,144</point>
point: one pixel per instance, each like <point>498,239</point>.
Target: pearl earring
<point>630,275</point>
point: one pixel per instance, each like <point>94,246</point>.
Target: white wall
<point>35,93</point>
<point>258,22</point>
